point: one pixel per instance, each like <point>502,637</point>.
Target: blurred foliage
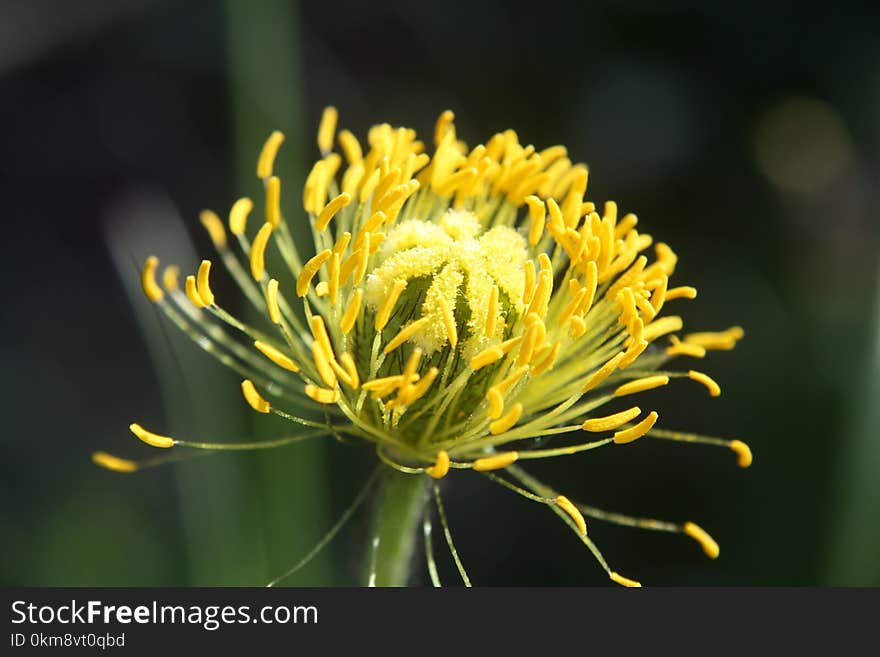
<point>746,136</point>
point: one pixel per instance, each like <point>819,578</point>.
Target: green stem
<point>395,531</point>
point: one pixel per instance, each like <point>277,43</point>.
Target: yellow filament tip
<point>152,439</point>
<point>566,505</point>
<point>114,463</point>
<point>440,467</point>
<point>637,431</point>
<point>701,536</point>
<point>148,280</point>
<point>496,462</point>
<point>253,397</point>
<point>743,453</point>
<point>713,388</point>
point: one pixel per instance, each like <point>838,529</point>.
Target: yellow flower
<point>455,305</point>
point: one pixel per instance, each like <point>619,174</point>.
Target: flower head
<point>454,306</point>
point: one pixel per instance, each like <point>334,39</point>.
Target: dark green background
<point>746,135</point>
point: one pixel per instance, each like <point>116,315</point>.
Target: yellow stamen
<point>537,215</point>
<point>327,129</point>
<point>412,393</point>
<point>351,312</point>
<point>272,301</point>
<point>624,581</point>
<point>440,467</point>
<point>743,453</point>
<point>110,462</point>
<point>170,277</point>
<point>405,334</point>
<point>628,435</point>
<point>192,292</point>
<point>710,547</point>
<point>258,252</point>
<point>566,505</point>
<point>351,147</point>
<point>640,385</point>
<point>495,462</point>
<point>609,422</point>
<point>322,395</point>
<point>449,324</point>
<point>486,357</point>
<point>492,313</point>
<point>203,283</point>
<point>496,403</point>
<point>680,348</point>
<point>267,156</point>
<point>319,332</point>
<point>412,364</point>
<point>331,209</point>
<point>603,372</point>
<point>529,287</point>
<point>273,201</point>
<point>443,125</point>
<point>662,326</point>
<point>713,388</point>
<point>384,312</point>
<point>214,226</point>
<point>309,270</point>
<point>148,280</point>
<point>548,360</point>
<point>280,359</point>
<point>238,215</point>
<point>353,379</point>
<point>507,420</point>
<point>684,292</point>
<point>152,439</point>
<point>725,340</point>
<point>253,398</point>
<point>658,298</point>
<point>632,353</point>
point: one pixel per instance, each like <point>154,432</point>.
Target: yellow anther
<point>253,398</point>
<point>640,385</point>
<point>492,312</point>
<point>556,220</point>
<point>443,126</point>
<point>578,327</point>
<point>530,277</point>
<point>413,393</point>
<point>170,277</point>
<point>273,201</point>
<point>322,395</point>
<point>658,297</point>
<point>384,312</point>
<point>110,462</point>
<point>405,334</point>
<point>351,147</point>
<point>279,358</point>
<point>632,353</point>
<point>566,505</point>
<point>322,289</point>
<point>148,280</point>
<point>369,185</point>
<point>506,421</point>
<point>637,431</point>
<point>624,581</point>
<point>545,262</point>
<point>348,365</point>
<point>203,283</point>
<point>609,422</point>
<point>449,324</point>
<point>701,536</point>
<point>680,348</point>
<point>496,462</point>
<point>547,361</point>
<point>713,388</point>
<point>309,270</point>
<point>333,285</point>
<point>362,256</point>
<point>152,439</point>
<point>661,327</point>
<point>486,357</point>
<point>527,347</point>
<point>192,292</point>
<point>496,403</point>
<point>214,226</point>
<point>386,382</point>
<point>603,372</point>
<point>725,340</point>
<point>331,209</point>
<point>625,225</point>
<point>238,215</point>
<point>272,301</point>
<point>266,162</point>
<point>319,332</point>
<point>440,467</point>
<point>412,364</point>
<point>351,312</point>
<point>743,453</point>
<point>684,292</point>
<point>327,129</point>
<point>537,216</point>
<point>542,293</point>
<point>258,252</point>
